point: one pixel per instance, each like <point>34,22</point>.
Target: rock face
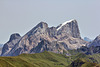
<point>41,37</point>
<point>92,48</point>
<point>69,33</point>
<point>14,38</point>
<point>69,29</point>
<point>95,42</point>
<point>89,50</point>
<point>56,47</point>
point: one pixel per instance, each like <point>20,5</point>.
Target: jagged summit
<point>69,28</point>
<point>68,36</point>
<point>95,42</point>
<point>98,37</point>
<point>14,36</point>
<point>72,20</point>
<point>42,24</point>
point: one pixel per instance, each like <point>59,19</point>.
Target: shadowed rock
<point>66,33</point>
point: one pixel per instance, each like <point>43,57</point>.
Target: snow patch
<point>64,24</point>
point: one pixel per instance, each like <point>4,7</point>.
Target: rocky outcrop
<point>31,39</point>
<point>69,29</point>
<point>41,38</point>
<point>92,47</point>
<point>56,47</point>
<point>69,33</point>
<point>14,38</point>
<point>95,42</point>
<point>89,50</point>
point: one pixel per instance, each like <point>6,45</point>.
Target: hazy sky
<point>22,15</point>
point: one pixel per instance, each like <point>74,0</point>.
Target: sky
<point>20,16</point>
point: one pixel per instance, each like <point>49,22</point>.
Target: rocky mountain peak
<point>52,31</point>
<point>40,28</point>
<point>57,39</point>
<point>95,42</point>
<point>97,38</point>
<point>42,25</point>
<point>63,24</point>
<point>74,28</point>
<point>14,36</point>
<point>69,28</point>
<point>73,20</point>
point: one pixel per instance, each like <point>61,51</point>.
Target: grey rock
<point>95,42</point>
<point>30,39</point>
<point>89,50</point>
<point>14,38</point>
<point>41,38</point>
<point>56,47</point>
<point>52,31</point>
<point>70,29</point>
<point>92,47</point>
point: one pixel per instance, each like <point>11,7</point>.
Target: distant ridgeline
<point>44,46</point>
<point>63,39</point>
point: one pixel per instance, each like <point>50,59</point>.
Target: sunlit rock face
<point>66,36</point>
<point>14,38</point>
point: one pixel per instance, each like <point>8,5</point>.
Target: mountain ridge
<point>69,34</point>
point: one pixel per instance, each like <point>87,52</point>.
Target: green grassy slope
<point>45,59</point>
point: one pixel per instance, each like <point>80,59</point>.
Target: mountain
<point>49,59</point>
<point>69,28</point>
<point>56,47</point>
<point>88,50</point>
<point>87,39</point>
<point>64,36</point>
<point>14,38</point>
<point>92,48</point>
<point>95,42</point>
